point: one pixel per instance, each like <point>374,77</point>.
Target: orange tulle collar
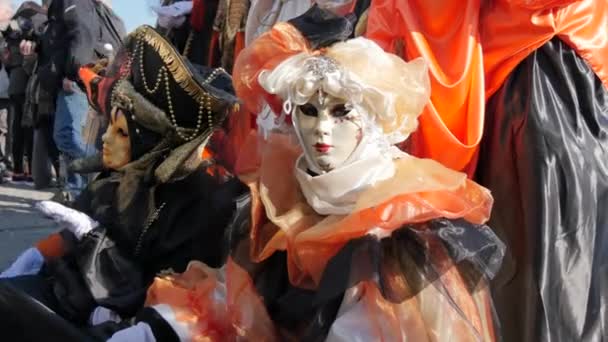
<point>421,190</point>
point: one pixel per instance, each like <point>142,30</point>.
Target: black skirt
<point>545,159</point>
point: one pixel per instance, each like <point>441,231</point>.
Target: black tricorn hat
<point>170,103</point>
<point>162,91</point>
<point>186,94</point>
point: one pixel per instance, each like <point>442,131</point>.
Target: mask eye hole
<point>340,111</point>
<point>123,133</point>
<point>309,110</point>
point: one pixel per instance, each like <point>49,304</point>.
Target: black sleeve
<point>80,20</point>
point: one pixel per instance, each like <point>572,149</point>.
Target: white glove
<point>101,315</point>
<point>140,332</point>
<point>28,263</point>
<point>75,221</point>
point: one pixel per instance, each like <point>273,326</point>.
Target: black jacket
<point>190,226</point>
<point>76,34</point>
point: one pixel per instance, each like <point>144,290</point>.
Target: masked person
<point>153,207</point>
<point>344,237</point>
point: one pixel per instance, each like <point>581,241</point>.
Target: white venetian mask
<point>329,129</point>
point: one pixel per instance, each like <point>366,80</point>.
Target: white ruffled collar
<point>336,192</point>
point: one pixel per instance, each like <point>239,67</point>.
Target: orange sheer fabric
<point>222,305</point>
<point>429,316</point>
<point>268,51</point>
<point>214,305</point>
<point>421,190</point>
<point>463,40</point>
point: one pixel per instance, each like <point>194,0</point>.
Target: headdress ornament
<point>285,66</point>
<point>170,103</point>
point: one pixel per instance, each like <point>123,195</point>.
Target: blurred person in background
<point>44,153</point>
<point>28,25</point>
<point>78,32</point>
<point>4,138</point>
<point>21,128</point>
<point>6,12</point>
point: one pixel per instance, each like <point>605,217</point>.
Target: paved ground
<point>20,223</point>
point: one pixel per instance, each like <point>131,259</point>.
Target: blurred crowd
<point>45,121</point>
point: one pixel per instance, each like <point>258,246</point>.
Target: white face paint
<point>330,130</point>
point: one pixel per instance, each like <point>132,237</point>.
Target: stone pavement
<point>20,223</point>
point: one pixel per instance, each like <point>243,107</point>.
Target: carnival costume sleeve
<point>407,258</point>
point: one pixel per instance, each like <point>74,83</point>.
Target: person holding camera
<point>4,137</point>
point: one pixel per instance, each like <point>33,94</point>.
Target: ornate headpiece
<point>321,66</point>
<point>169,102</point>
<point>291,62</point>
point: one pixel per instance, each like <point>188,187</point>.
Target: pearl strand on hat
<point>163,74</point>
<point>208,80</point>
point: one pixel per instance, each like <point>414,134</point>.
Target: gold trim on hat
<point>179,71</point>
<point>214,108</point>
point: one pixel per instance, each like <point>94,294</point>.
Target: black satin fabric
<point>192,221</point>
<point>189,227</point>
<point>545,159</point>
